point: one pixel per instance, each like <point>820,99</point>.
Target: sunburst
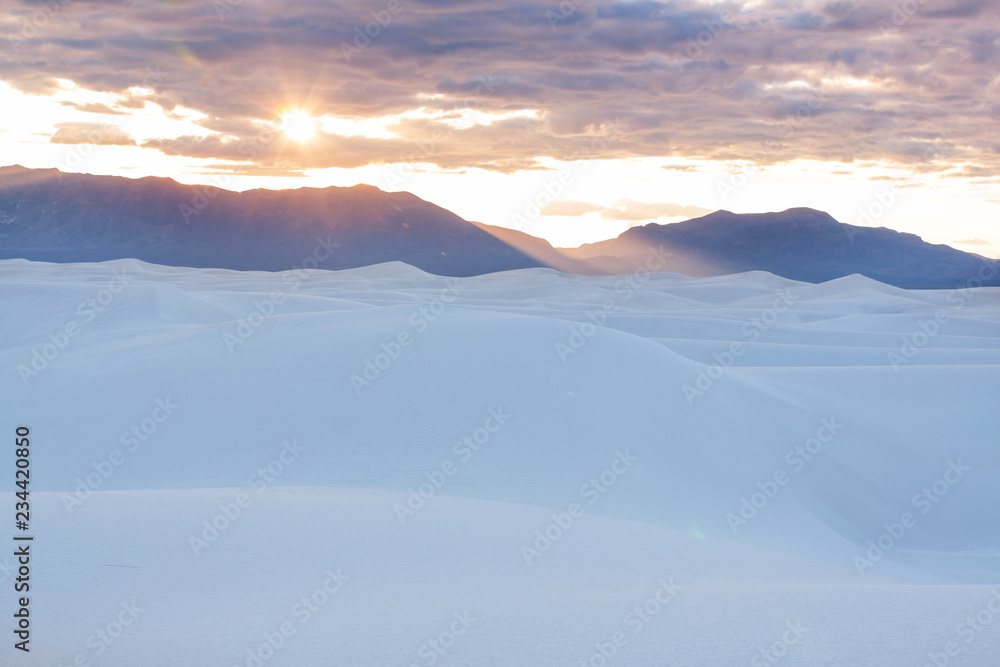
<point>298,125</point>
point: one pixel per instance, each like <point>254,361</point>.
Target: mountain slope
<point>49,216</point>
<point>800,244</point>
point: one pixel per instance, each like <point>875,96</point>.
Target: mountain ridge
<point>49,215</point>
<point>798,243</point>
<point>54,216</point>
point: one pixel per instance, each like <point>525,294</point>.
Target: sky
<point>567,119</point>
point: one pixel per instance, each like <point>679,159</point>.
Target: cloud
<point>420,142</point>
<point>626,209</point>
<point>91,133</point>
<point>682,167</point>
<point>764,81</point>
<point>973,242</point>
<point>629,209</point>
<point>570,208</point>
<point>95,108</point>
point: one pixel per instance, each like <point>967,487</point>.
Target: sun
<point>298,125</point>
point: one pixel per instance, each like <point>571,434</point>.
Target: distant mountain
<point>800,244</point>
<point>49,216</point>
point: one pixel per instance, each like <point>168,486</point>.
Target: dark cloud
<point>805,21</point>
<point>768,82</point>
<point>964,9</point>
<point>985,48</point>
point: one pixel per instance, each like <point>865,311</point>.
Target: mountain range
<point>47,215</point>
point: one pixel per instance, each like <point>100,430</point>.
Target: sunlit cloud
<point>625,209</point>
<point>91,133</point>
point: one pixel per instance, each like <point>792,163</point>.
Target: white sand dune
<point>747,438</point>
